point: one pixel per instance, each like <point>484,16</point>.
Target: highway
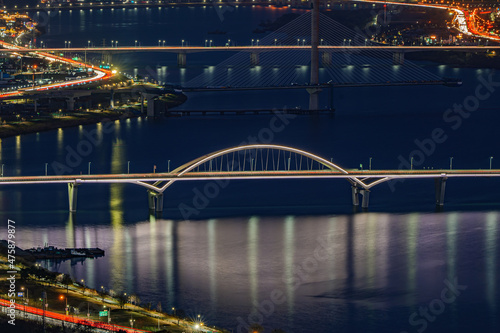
<point>100,74</point>
<point>55,318</point>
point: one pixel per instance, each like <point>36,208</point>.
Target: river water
<point>287,254</point>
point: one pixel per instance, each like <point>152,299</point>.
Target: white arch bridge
<point>259,161</point>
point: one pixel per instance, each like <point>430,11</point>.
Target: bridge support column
<point>366,198</point>
<point>155,202</point>
<point>313,98</point>
<point>112,99</point>
<point>440,184</point>
<point>70,103</point>
<point>159,203</point>
<point>181,59</point>
<point>326,59</point>
<point>254,59</point>
<point>107,58</point>
<point>398,58</point>
<point>151,200</point>
<point>355,195</point>
<point>72,196</point>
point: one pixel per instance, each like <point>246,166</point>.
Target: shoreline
<point>87,118</point>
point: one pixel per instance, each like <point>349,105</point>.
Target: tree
<point>158,307</point>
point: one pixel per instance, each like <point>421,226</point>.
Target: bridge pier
<point>440,184</point>
<point>398,58</point>
<point>254,59</point>
<point>112,100</point>
<point>107,58</point>
<point>72,196</point>
<point>181,59</point>
<point>70,103</point>
<point>155,201</point>
<point>326,59</point>
<point>355,195</point>
<point>366,198</point>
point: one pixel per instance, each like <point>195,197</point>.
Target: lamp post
<point>206,41</point>
<point>46,165</point>
<point>128,166</point>
<point>370,163</point>
<point>411,163</point>
<point>89,173</point>
<point>210,43</point>
<point>88,44</point>
<point>135,43</point>
<point>159,41</point>
<point>491,161</point>
<point>451,163</point>
<point>182,43</point>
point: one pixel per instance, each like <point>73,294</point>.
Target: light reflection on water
<point>225,268</point>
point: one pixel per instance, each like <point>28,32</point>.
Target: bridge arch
<point>182,170</point>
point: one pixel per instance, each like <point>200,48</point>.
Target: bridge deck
<point>150,177</point>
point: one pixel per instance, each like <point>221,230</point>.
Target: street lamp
<point>370,163</point>
<point>228,42</point>
<point>491,160</point>
<point>65,298</point>
<point>257,42</point>
<point>298,41</point>
<point>135,43</point>
<point>451,163</point>
<point>163,44</point>
<point>128,166</point>
<point>206,41</point>
<point>183,43</point>
<point>275,41</point>
<point>89,173</point>
<point>159,41</point>
<point>88,44</point>
<point>210,43</point>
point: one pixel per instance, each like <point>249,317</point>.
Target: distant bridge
<point>252,162</point>
<point>254,50</point>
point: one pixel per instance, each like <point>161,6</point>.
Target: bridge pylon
<point>313,95</point>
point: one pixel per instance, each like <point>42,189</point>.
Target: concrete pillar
<point>151,106</point>
<point>181,59</point>
<point>151,200</point>
<point>313,97</point>
<point>72,196</point>
<point>355,195</point>
<point>107,58</point>
<point>326,59</point>
<point>142,103</point>
<point>70,103</point>
<point>440,184</point>
<point>112,99</point>
<point>398,58</point>
<point>159,202</point>
<point>254,59</point>
<point>366,198</point>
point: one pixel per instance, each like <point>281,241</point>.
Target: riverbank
<point>84,302</point>
<point>48,124</point>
